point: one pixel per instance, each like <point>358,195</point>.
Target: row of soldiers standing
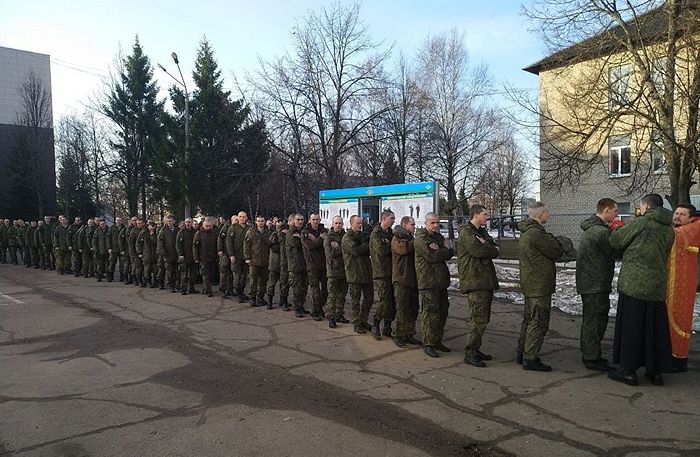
<point>288,256</point>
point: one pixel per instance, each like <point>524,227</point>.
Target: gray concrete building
<point>27,158</point>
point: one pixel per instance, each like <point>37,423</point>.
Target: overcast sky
<point>83,37</point>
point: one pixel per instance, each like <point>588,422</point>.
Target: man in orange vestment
<point>682,282</point>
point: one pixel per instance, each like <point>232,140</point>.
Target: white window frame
<point>618,146</point>
<point>619,84</point>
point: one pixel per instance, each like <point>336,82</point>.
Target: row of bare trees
<point>342,112</point>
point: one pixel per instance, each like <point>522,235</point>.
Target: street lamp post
<point>181,81</point>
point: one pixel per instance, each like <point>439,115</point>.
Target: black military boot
<point>153,283</point>
<point>144,282</point>
<point>269,302</point>
<point>386,331</point>
<point>261,301</point>
<point>442,348</point>
<point>342,319</point>
<point>253,302</point>
<point>283,301</point>
<point>110,277</point>
<point>376,332</point>
<point>209,293</point>
<point>332,323</point>
<point>241,295</point>
<point>400,341</point>
<point>536,365</point>
<point>99,277</point>
<point>161,284</point>
<point>298,312</point>
<point>129,279</point>
<point>410,339</point>
<point>430,352</point>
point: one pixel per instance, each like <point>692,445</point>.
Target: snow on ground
<point>565,297</point>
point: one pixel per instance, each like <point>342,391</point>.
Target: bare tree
<point>29,164</point>
<point>336,65</point>
<point>623,66</point>
<point>460,126</point>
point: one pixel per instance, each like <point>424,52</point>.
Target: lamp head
<point>174,56</point>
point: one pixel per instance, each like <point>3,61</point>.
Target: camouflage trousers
<point>188,275</point>
<point>101,264</point>
<point>361,298</point>
<point>34,252</point>
<point>436,304</point>
<point>45,257</point>
<point>225,274</point>
<point>385,308</point>
<point>76,261</point>
<point>88,262</point>
<point>240,274</point>
<point>406,300</point>
<point>208,272</point>
<point>335,302</point>
<point>298,282</point>
<point>160,270</point>
<point>273,278</point>
<point>112,265</point>
<point>317,289</point>
<point>172,274</point>
<point>150,270</point>
<point>137,268</point>
<point>534,326</point>
<point>62,260</point>
<point>3,253</point>
<point>13,255</point>
<point>125,263</point>
<point>258,281</point>
<point>595,320</point>
<point>26,255</point>
<point>479,317</point>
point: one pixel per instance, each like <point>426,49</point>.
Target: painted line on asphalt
<point>12,299</point>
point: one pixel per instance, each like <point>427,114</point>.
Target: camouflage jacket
<point>358,266</point>
<point>538,252</point>
<point>431,264</point>
<point>335,265</point>
<point>403,258</point>
<point>256,247</point>
<point>380,252</point>
<point>595,262</point>
<point>474,259</point>
<point>645,242</point>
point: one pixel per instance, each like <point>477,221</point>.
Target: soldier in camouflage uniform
<point>48,242</point>
<point>146,245</point>
<point>167,237</point>
<point>136,262</point>
<point>477,279</point>
<point>85,240</point>
<point>256,251</point>
<point>595,268</point>
<point>22,227</point>
<point>404,281</point>
<point>234,247</point>
<point>538,252</point>
<point>296,265</point>
<point>204,253</point>
<point>39,241</point>
<point>4,225</point>
<point>433,280</point>
<point>275,261</point>
<point>380,253</point>
<point>124,254</point>
<point>73,246</point>
<point>60,243</point>
<point>225,273</point>
<point>358,272</point>
<point>113,249</point>
<point>13,241</point>
<point>335,271</point>
<point>32,243</point>
<point>100,248</point>
<point>312,240</point>
<point>185,258</point>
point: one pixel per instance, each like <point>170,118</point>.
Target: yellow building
<point>599,105</point>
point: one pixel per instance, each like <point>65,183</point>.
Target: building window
<point>658,158</point>
<point>619,84</point>
<point>620,156</point>
<point>624,211</point>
